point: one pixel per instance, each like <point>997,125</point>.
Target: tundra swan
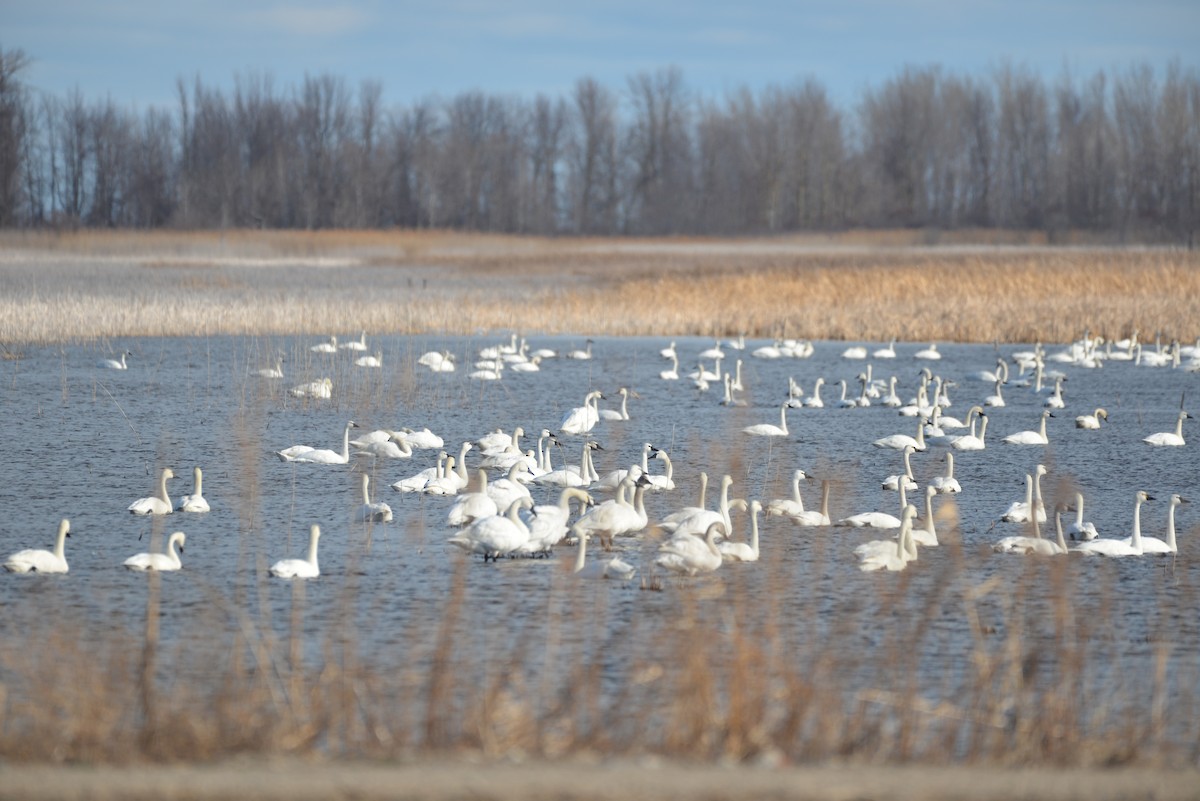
<point>38,561</point>
<point>617,517</point>
<point>612,568</point>
<point>971,442</point>
<point>326,347</point>
<point>471,506</point>
<point>768,430</point>
<point>788,507</point>
<point>875,519</point>
<point>673,373</point>
<point>814,400</point>
<point>812,518</point>
<point>159,504</point>
<point>695,521</point>
<point>947,483</point>
<point>322,390</point>
<point>891,399</point>
<point>1167,438</point>
<point>582,419</point>
<point>1031,437</point>
<point>1036,544</point>
<point>370,361</point>
<point>359,344</point>
<point>581,355</point>
<point>741,551</point>
<point>115,364</point>
<point>168,560</point>
<point>930,353</point>
<point>417,482</point>
<point>304,453</point>
<point>570,476</point>
<point>377,512</point>
<point>886,353</point>
<point>714,352</point>
<point>1091,422</point>
<point>669,352</point>
<point>894,555</point>
<point>300,568</point>
<point>996,399</point>
<point>623,412</point>
<point>659,483</point>
<point>691,555</point>
<point>534,365</point>
<point>194,502</point>
<point>901,441</point>
<point>394,446</point>
<point>498,535</point>
<point>547,523</point>
<point>772,351</point>
<point>1055,401</point>
<point>729,400</point>
<point>454,477</point>
<point>508,489</point>
<point>927,535</point>
<point>910,483</point>
<point>272,372</point>
<point>1157,546</point>
<point>1131,546</point>
<point>1018,511</point>
<point>1081,530</point>
<point>855,352</point>
<point>671,521</point>
<point>423,439</point>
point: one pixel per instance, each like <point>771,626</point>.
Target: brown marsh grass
<point>861,286</point>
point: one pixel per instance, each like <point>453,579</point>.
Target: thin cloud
<point>308,21</point>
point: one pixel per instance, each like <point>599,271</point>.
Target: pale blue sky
<point>133,50</point>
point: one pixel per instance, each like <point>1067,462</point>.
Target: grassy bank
<point>92,285</point>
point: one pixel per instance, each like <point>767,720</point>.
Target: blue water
<point>83,443</point>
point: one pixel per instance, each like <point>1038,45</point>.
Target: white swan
<point>814,400</point>
<point>789,507</point>
<point>611,568</point>
<point>855,352</point>
<point>569,476</point>
<point>927,535</point>
<point>617,517</point>
<point>673,373</point>
<point>454,476</point>
<point>508,489</point>
<point>547,523</point>
<point>370,361</point>
<point>768,430</point>
<point>582,419</point>
<point>875,519</point>
<point>272,372</point>
<point>741,551</point>
<point>39,561</point>
<point>114,364</point>
<point>886,353</point>
<point>696,521</point>
<point>581,355</point>
<point>394,446</point>
<point>309,455</point>
<point>322,390</point>
<point>902,441</point>
<point>691,555</point>
<point>930,353</point>
<point>1154,544</point>
<point>812,518</point>
<point>196,501</point>
<point>669,352</point>
<point>1018,511</point>
<point>971,442</point>
<point>423,439</point>
<point>471,506</point>
<point>417,482</point>
<point>996,399</point>
<point>1091,422</point>
<point>1055,401</point>
<point>326,347</point>
<point>1081,530</point>
<point>300,568</point>
<point>889,555</point>
<point>1031,437</point>
<point>359,344</point>
<point>159,504</point>
<point>1130,546</point>
<point>891,399</point>
<point>623,412</point>
<point>910,483</point>
<point>671,521</point>
<point>534,365</point>
<point>1035,545</point>
<point>1167,438</point>
<point>498,535</point>
<point>168,560</point>
<point>377,512</point>
<point>947,483</point>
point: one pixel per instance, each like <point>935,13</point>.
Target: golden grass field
<point>979,287</point>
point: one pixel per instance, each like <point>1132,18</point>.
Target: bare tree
<point>592,157</point>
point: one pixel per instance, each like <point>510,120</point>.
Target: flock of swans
<point>492,511</point>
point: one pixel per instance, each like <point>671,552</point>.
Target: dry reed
<point>94,285</point>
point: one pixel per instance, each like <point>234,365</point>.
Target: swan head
<point>1143,496</point>
<point>1041,469</point>
<point>168,473</point>
<point>1178,499</point>
<point>179,537</point>
<point>799,475</point>
<point>1101,413</point>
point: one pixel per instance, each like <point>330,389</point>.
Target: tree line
<point>1117,154</point>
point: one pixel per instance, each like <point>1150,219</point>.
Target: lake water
<point>83,443</point>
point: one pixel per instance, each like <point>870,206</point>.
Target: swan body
<point>271,372</point>
<point>893,482</point>
<point>322,390</point>
<point>814,400</point>
<point>194,502</point>
<point>971,442</point>
<point>370,361</point>
<point>303,453</point>
<point>947,483</point>
<point>114,364</point>
<point>623,412</point>
<point>547,523</point>
<point>1035,545</point>
<point>1091,422</point>
<point>423,439</point>
<point>612,568</point>
<point>892,555</point>
<point>1031,437</point>
<point>886,353</point>
<point>581,355</point>
<point>789,507</point>
<point>326,347</point>
<point>393,446</point>
<point>1018,511</point>
<point>159,504</point>
<point>453,479</point>
<point>691,555</point>
<point>1130,546</point>
<point>617,517</point>
<point>902,441</point>
<point>417,482</point>
<point>471,506</point>
<point>1168,546</point>
<point>582,419</point>
<point>1080,530</point>
<point>359,344</point>
<point>495,536</point>
<point>40,561</point>
<point>769,430</point>
<point>300,568</point>
<point>930,353</point>
<point>673,373</point>
<point>741,551</point>
<point>855,352</point>
<point>168,560</point>
<point>1168,438</point>
<point>660,483</point>
<point>377,512</point>
<point>508,489</point>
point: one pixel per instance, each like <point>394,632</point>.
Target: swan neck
<point>313,536</point>
<point>199,481</point>
<point>754,530</point>
<point>162,488</point>
<point>580,554</point>
<point>366,494</point>
<point>60,543</point>
<point>1137,524</point>
<point>1171,527</point>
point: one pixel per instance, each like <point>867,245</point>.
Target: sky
<point>134,51</point>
